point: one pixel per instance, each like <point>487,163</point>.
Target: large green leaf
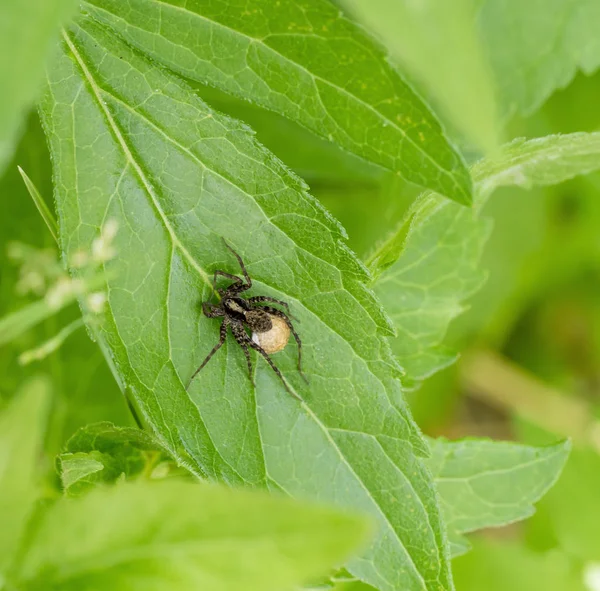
<point>184,536</point>
<point>135,144</point>
<point>302,59</point>
<point>22,427</point>
<point>27,33</point>
<point>536,47</point>
<point>430,264</point>
<point>439,43</point>
<point>489,483</point>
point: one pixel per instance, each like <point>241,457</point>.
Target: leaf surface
<point>306,61</point>
<point>184,536</point>
<point>105,453</point>
<point>485,483</point>
<point>134,144</point>
<point>430,264</point>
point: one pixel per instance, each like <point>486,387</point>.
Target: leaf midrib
<point>129,157</point>
<point>315,77</point>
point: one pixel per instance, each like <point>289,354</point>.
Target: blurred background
<point>529,339</point>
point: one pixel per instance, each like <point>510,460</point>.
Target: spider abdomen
<point>273,339</point>
<point>270,327</point>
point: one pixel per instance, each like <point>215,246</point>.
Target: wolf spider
<point>270,327</point>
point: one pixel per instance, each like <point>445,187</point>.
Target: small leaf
<point>485,483</point>
<point>108,453</point>
<point>22,427</point>
<point>431,263</point>
<point>181,536</point>
<point>536,48</point>
<point>306,61</point>
<point>27,33</point>
<point>76,470</point>
<point>147,152</point>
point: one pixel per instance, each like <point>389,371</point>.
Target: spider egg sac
<point>273,340</point>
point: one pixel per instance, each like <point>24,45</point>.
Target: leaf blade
<point>178,176</point>
<point>428,267</point>
<point>485,483</point>
<point>278,543</point>
<point>284,58</point>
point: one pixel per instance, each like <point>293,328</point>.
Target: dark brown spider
<point>270,327</point>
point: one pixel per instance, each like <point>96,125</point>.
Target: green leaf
<point>439,44</point>
<point>306,61</point>
<point>184,536</point>
<point>105,453</point>
<point>490,483</point>
<point>27,33</point>
<point>430,264</point>
<point>41,205</point>
<point>77,471</point>
<point>133,143</point>
<point>428,267</point>
<point>539,162</point>
<point>538,46</point>
<point>22,426</point>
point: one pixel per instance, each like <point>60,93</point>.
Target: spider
<point>270,327</point>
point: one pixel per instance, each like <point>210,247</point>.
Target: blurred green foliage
<point>490,69</point>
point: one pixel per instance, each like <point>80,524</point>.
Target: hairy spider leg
<point>237,287</point>
<point>223,336</point>
<point>242,266</point>
<point>276,312</point>
<point>260,299</point>
<point>239,333</point>
<point>250,343</point>
<point>212,311</point>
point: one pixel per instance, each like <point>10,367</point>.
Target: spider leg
<point>212,311</point>
<point>259,299</point>
<point>241,337</point>
<point>276,312</point>
<point>242,266</point>
<point>223,336</point>
<point>237,286</point>
<point>250,343</point>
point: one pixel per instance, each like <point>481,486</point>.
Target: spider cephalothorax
<point>270,327</point>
